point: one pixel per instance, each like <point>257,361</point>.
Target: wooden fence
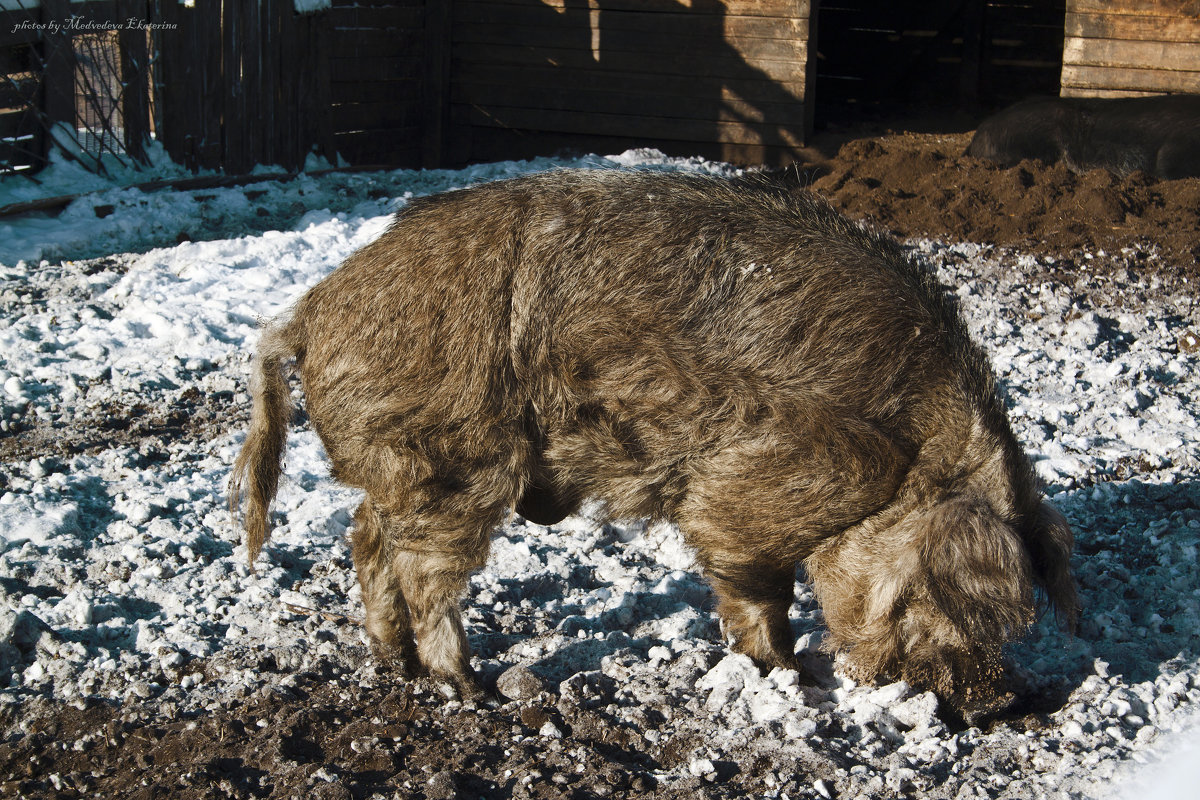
<point>22,145</point>
<point>230,84</point>
<point>235,83</point>
<point>245,83</point>
<point>242,83</point>
<point>1122,48</point>
<point>426,82</point>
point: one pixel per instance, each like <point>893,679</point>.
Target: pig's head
<point>931,595</point>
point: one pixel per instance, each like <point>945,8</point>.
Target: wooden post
<point>58,81</point>
<point>436,81</point>
<point>135,74</point>
<point>810,72</point>
<point>974,13</point>
<point>282,51</point>
<point>231,88</point>
<point>168,44</point>
<point>320,105</point>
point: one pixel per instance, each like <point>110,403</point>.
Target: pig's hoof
<point>399,656</point>
<point>460,686</point>
<point>978,713</point>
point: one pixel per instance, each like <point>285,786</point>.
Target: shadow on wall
<point>719,79</point>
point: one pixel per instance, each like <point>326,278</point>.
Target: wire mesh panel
<point>73,77</point>
<point>99,123</point>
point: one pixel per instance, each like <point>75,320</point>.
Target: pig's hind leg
<point>424,528</point>
<point>387,617</point>
<point>431,552</point>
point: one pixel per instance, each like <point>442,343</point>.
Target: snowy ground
<point>123,405</point>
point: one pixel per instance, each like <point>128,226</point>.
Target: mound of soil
<point>920,185</point>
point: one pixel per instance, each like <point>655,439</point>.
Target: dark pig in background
<point>1159,136</point>
<point>728,354</point>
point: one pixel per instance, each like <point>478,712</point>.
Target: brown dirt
<point>333,735</point>
<point>919,185</point>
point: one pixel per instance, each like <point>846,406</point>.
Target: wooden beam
<point>1076,77</point>
<point>1126,26</point>
<point>1183,56</point>
<point>732,8</point>
<point>639,21</point>
<point>729,65</point>
<point>436,82</point>
<point>1159,8</point>
<point>135,76</point>
<point>636,126</point>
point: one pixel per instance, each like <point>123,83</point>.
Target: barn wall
<point>1119,48</point>
<point>380,71</point>
<point>725,79</point>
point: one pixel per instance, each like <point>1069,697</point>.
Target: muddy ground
<point>340,726</point>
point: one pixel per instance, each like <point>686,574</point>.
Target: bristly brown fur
<point>729,354</point>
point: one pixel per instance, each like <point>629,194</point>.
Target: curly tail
<point>260,462</point>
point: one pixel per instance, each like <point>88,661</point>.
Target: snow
<point>311,6</point>
<point>119,564</point>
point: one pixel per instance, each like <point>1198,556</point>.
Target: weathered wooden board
<point>475,82</point>
<point>631,125</point>
<point>725,102</point>
<point>382,68</point>
<point>1124,47</point>
<point>368,91</point>
<point>1155,81</point>
<point>400,147</point>
<point>1138,28</point>
<point>378,115</point>
<point>725,64</point>
<point>642,21</point>
<point>369,43</point>
<point>1162,8</point>
<point>356,16</point>
<point>1170,56</point>
<point>732,8</point>
<point>734,73</point>
<point>605,41</point>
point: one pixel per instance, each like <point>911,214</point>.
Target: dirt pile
<point>920,185</point>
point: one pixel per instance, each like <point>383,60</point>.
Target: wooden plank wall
<point>1125,48</point>
<point>1022,52</point>
<point>378,74</point>
<point>722,78</point>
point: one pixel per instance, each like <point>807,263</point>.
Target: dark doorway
<point>880,60</point>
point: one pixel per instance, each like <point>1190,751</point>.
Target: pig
<point>1159,136</point>
<point>729,354</point>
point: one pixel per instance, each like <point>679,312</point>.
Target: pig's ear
<point>1049,543</point>
<point>977,572</point>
